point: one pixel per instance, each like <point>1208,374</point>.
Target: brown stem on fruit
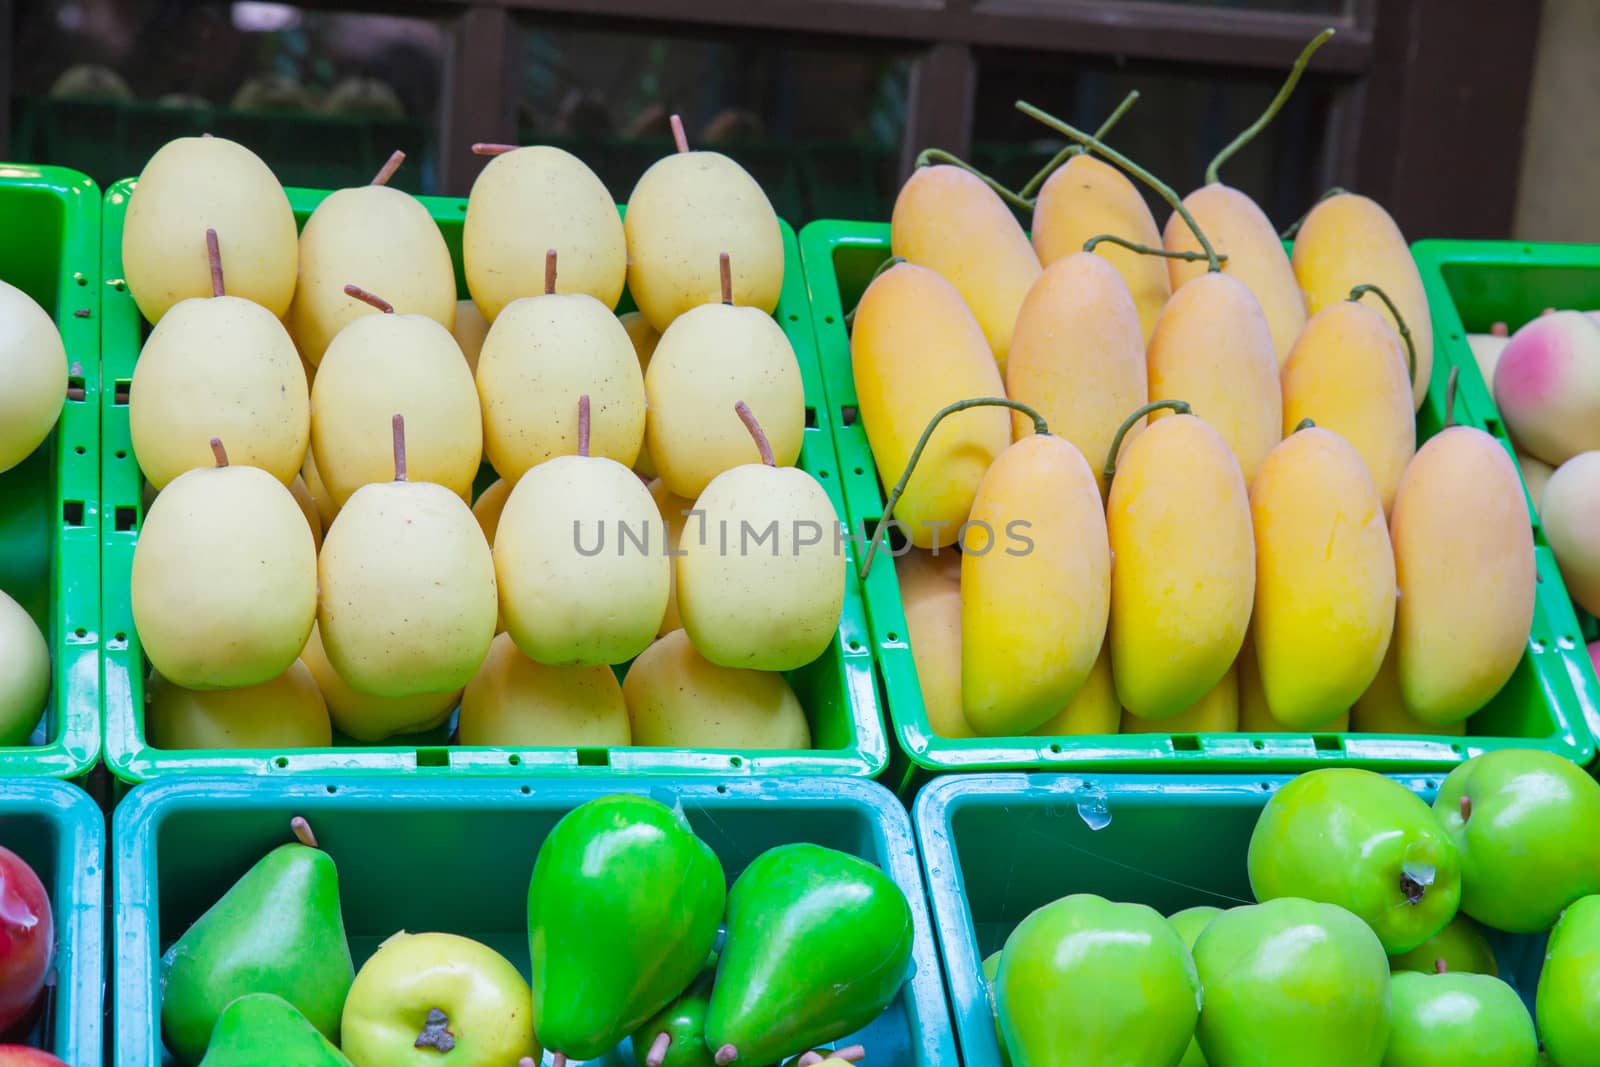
<point>219,452</point>
<point>1450,398</point>
<point>1466,808</point>
<point>852,1053</point>
<point>658,1050</point>
<point>558,1059</point>
<point>214,257</point>
<point>726,1055</point>
<point>1547,311</point>
<point>302,831</point>
<point>1413,889</point>
<point>527,1061</point>
<point>436,1032</point>
<point>549,272</point>
<point>1499,329</point>
<point>369,298</point>
<point>811,1058</point>
<point>1440,967</point>
<point>1179,407</point>
<point>206,134</point>
<point>489,148</point>
<point>763,445</point>
<point>725,267</point>
<point>583,425</point>
<point>678,136</point>
<point>390,165</point>
<point>398,423</point>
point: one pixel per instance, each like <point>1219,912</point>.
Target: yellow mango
<point>1178,519</point>
<point>1239,229</point>
<point>916,348</point>
<point>1077,356</point>
<point>1094,710</point>
<point>1087,197</point>
<point>1035,586</point>
<point>1324,578</point>
<point>1347,373</point>
<point>1212,348</point>
<point>1349,240</point>
<point>1215,713</point>
<point>949,221</point>
<point>1463,553</point>
<point>1254,715</point>
<point>1382,711</point>
<point>931,600</point>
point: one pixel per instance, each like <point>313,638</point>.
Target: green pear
<point>263,1030</point>
<point>1361,841</point>
<point>1190,923</point>
<point>991,971</point>
<point>277,930</point>
<point>1568,1001</point>
<point>1292,981</point>
<point>1096,984</point>
<point>623,909</point>
<point>1462,945</point>
<point>675,1036</point>
<point>1524,823</point>
<point>819,943</point>
<point>1458,1020</point>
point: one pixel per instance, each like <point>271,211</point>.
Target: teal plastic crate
<point>995,847</point>
<point>182,842</point>
<point>837,690</point>
<point>1549,702</point>
<point>50,503</point>
<point>59,831</point>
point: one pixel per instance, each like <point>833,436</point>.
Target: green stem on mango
<point>1094,144</point>
<point>939,155</point>
<point>1030,192</point>
<point>892,261</point>
<point>899,489</point>
<point>1303,424</point>
<point>1271,112</point>
<point>1179,407</point>
<point>1450,398</point>
<point>1405,332</point>
<point>1294,227</point>
<point>1145,250</point>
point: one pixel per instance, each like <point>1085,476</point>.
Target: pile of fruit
<point>1368,945</point>
<point>313,410</point>
<point>1207,509</point>
<point>633,932</point>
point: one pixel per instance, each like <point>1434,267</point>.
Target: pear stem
<point>214,257</point>
<point>489,148</point>
<point>390,165</point>
<point>1145,250</point>
<point>1440,967</point>
<point>1303,424</point>
<point>1498,329</point>
<point>1180,407</point>
<point>549,272</point>
<point>658,1050</point>
<point>855,1053</point>
<point>558,1059</point>
<point>302,831</point>
<point>1250,131</point>
<point>583,425</point>
<point>398,423</point>
<point>892,261</point>
<point>726,1055</point>
<point>527,1061</point>
<point>763,445</point>
<point>1294,227</point>
<point>679,138</point>
<point>939,416</point>
<point>220,453</point>
<point>725,267</point>
<point>1450,398</point>
<point>1405,332</point>
<point>1030,191</point>
<point>369,298</point>
<point>1466,808</point>
<point>1166,191</point>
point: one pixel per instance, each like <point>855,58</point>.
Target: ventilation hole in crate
<point>855,646</point>
<point>75,388</point>
<point>515,761</point>
<point>120,639</point>
<point>722,789</point>
<point>735,761</point>
<point>1566,641</point>
<point>828,319</point>
<point>433,757</point>
<point>1055,750</point>
<point>1493,426</point>
<point>72,511</point>
<point>1265,787</point>
<point>811,417</point>
<point>80,632</point>
<point>848,416</point>
<point>120,286</point>
<point>822,474</point>
<point>80,279</point>
<point>526,790</point>
<point>1536,644</point>
<point>333,789</point>
<point>281,762</point>
<point>80,450</point>
<point>1327,742</point>
<point>861,470</point>
<point>1185,743</point>
<point>125,518</point>
<point>119,393</point>
<point>793,317</point>
<point>893,636</point>
<point>1456,749</point>
<point>594,757</point>
<point>1258,744</point>
<point>122,453</point>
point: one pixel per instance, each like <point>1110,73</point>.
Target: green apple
<point>1458,1020</point>
<point>1096,984</point>
<point>1524,822</point>
<point>1568,1001</point>
<point>1361,841</point>
<point>991,968</point>
<point>1462,945</point>
<point>1189,923</point>
<point>1292,981</point>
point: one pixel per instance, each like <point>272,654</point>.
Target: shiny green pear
<point>1568,1001</point>
<point>1458,1020</point>
<point>277,930</point>
<point>1524,822</point>
<point>675,1036</point>
<point>1361,841</point>
<point>1462,945</point>
<point>991,969</point>
<point>1090,983</point>
<point>262,1030</point>
<point>1292,982</point>
<point>819,943</point>
<point>622,910</point>
<point>1189,923</point>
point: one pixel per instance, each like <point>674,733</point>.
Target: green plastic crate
<point>996,847</point>
<point>837,690</point>
<point>1544,705</point>
<point>61,834</point>
<point>182,842</point>
<point>50,503</point>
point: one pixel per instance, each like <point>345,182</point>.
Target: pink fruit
<point>27,938</point>
<point>23,1056</point>
<point>1547,386</point>
<point>1571,516</point>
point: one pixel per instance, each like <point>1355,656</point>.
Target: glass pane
<point>1291,7</point>
<point>322,96</point>
<point>817,123</point>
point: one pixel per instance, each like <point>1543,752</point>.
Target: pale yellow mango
<point>1325,581</point>
<point>1212,348</point>
<point>1077,357</point>
<point>676,697</point>
<point>1535,475</point>
<point>1215,713</point>
<point>1087,197</point>
<point>1035,586</point>
<point>931,599</point>
<point>1464,563</point>
<point>1380,710</point>
<point>1571,510</point>
<point>949,221</point>
<point>1178,519</point>
<point>514,701</point>
<point>1094,710</point>
<point>1347,373</point>
<point>1238,228</point>
<point>1349,240</point>
<point>1254,715</point>
<point>916,348</point>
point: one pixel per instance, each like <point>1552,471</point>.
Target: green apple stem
<point>1405,332</point>
<point>549,272</point>
<point>939,416</point>
<point>679,139</point>
<point>369,298</point>
<point>220,453</point>
<point>658,1050</point>
<point>725,1055</point>
<point>1450,398</point>
<point>1030,191</point>
<point>490,148</point>
<point>725,269</point>
<point>763,445</point>
<point>398,424</point>
<point>1250,131</point>
<point>302,831</point>
<point>583,425</point>
<point>1294,227</point>
<point>1180,407</point>
<point>892,261</point>
<point>1303,424</point>
<point>1145,250</point>
<point>214,257</point>
<point>436,1032</point>
<point>390,165</point>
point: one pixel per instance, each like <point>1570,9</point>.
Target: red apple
<point>27,939</point>
<point>23,1056</point>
